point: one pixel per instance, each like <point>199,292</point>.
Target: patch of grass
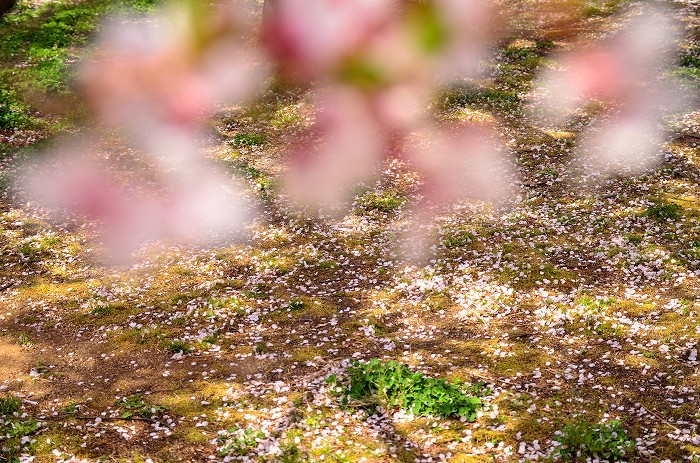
<point>137,406</point>
<point>16,429</point>
<point>595,304</point>
<point>243,168</point>
<point>384,202</point>
<point>492,98</point>
<point>71,408</point>
<point>24,340</point>
<point>524,361</point>
<point>457,239</point>
<point>29,319</point>
<point>688,66</point>
<point>295,304</point>
<point>664,212</point>
<point>103,310</point>
<point>6,180</point>
<point>210,339</point>
<point>600,8</point>
<point>438,300</point>
<point>37,48</point>
<point>14,113</point>
<point>517,64</point>
<point>238,442</point>
<point>177,346</point>
<point>634,238</point>
<point>393,385</point>
<point>326,265</point>
<point>526,57</point>
<point>9,404</point>
<point>249,140</point>
<point>286,117</point>
<point>40,367</point>
<point>306,354</point>
<point>689,61</point>
<point>290,453</point>
<point>582,440</point>
<point>278,264</point>
<point>688,74</point>
<point>255,294</point>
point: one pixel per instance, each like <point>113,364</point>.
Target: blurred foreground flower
<point>457,163</point>
<point>378,82</point>
<point>344,147</point>
<point>312,38</point>
<point>626,74</point>
<point>201,207</point>
<point>156,80</point>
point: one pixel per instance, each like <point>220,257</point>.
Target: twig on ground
<point>4,286</point>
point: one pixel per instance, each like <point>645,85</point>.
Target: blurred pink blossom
<point>459,163</point>
<point>312,37</point>
<point>157,72</point>
<point>377,88</point>
<point>156,80</point>
<point>625,73</point>
<point>471,28</point>
<point>204,207</point>
<point>344,147</point>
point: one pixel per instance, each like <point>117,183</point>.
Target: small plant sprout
<point>392,385</point>
<point>137,406</point>
<point>665,212</point>
<point>583,440</point>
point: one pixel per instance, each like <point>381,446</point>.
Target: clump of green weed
<point>24,340</point>
<point>16,429</point>
<point>393,385</point>
<point>103,310</point>
<point>13,112</point>
<point>71,408</point>
<point>384,202</point>
<point>210,339</point>
<point>136,406</point>
<point>9,404</point>
<point>249,140</point>
<point>238,442</point>
<point>457,239</point>
<point>634,238</point>
<point>290,453</point>
<point>690,61</point>
<point>178,346</point>
<point>606,441</point>
<point>688,65</point>
<point>295,304</point>
<point>663,212</point>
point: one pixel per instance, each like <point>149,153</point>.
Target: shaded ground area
<point>578,303</point>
